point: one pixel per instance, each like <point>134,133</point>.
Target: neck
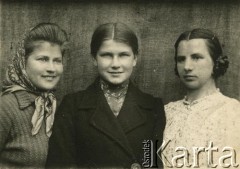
<point>43,93</point>
<point>205,90</point>
<point>113,87</point>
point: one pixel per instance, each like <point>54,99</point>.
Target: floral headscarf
<point>17,79</point>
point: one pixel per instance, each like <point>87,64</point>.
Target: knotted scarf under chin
<point>45,109</point>
<point>17,79</point>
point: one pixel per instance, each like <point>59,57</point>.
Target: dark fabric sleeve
<point>8,104</point>
<point>160,122</point>
<point>62,146</point>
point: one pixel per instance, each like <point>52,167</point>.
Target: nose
<point>51,67</point>
<point>188,66</point>
<point>115,62</point>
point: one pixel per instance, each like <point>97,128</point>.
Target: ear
<point>135,60</point>
<point>94,60</point>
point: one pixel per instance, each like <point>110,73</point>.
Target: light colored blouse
<point>209,126</point>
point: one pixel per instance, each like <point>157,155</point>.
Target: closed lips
<point>189,76</point>
<point>115,72</point>
<point>48,76</point>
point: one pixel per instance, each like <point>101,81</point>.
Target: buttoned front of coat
<point>87,134</point>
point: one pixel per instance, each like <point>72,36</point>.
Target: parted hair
<point>113,31</point>
<point>214,48</point>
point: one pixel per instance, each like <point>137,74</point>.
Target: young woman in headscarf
<point>28,104</point>
<point>106,125</point>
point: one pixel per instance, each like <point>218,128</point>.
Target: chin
<point>191,87</point>
<point>115,83</point>
<point>47,88</point>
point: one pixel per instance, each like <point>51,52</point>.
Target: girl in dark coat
<point>107,124</point>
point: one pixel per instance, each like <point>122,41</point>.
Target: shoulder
<point>230,101</point>
<point>141,94</point>
<point>8,108</point>
<point>230,106</point>
<point>229,119</point>
<point>8,102</point>
<point>72,98</point>
<point>171,106</point>
<point>79,98</point>
<point>8,96</point>
<point>91,90</point>
<point>227,103</point>
<point>144,99</point>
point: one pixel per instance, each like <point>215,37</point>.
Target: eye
<point>58,60</point>
<point>43,59</point>
<point>124,54</point>
<point>196,57</point>
<point>180,59</point>
<point>105,54</point>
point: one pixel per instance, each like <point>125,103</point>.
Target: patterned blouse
<point>203,132</point>
<point>115,97</point>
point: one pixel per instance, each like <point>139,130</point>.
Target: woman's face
<point>115,62</point>
<point>194,63</point>
<point>44,65</point>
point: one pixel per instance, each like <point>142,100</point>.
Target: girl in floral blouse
<point>203,128</point>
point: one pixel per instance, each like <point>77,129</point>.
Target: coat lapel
<point>131,115</point>
<point>102,117</point>
<point>104,120</point>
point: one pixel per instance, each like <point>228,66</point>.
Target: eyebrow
<point>198,54</point>
<point>125,52</point>
<point>42,56</point>
<point>46,56</point>
<point>105,52</point>
<point>191,55</point>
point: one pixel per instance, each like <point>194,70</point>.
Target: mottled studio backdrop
<point>157,24</point>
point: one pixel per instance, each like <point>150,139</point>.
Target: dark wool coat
<point>86,134</point>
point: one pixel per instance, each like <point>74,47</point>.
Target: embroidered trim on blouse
<point>200,100</point>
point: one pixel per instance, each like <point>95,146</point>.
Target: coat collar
<point>131,116</point>
<point>24,99</point>
<point>92,93</point>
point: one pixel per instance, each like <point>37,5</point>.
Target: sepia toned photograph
<point>119,84</point>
